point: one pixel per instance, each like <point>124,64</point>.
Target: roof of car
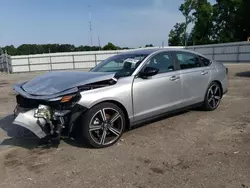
<point>152,50</point>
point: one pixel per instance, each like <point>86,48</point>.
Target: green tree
<point>11,50</point>
<point>224,21</point>
<point>232,20</point>
<point>66,48</point>
<point>149,45</point>
<point>26,49</point>
<point>177,35</point>
<point>225,14</point>
<point>110,46</point>
<point>202,32</point>
<point>243,21</point>
<point>87,48</point>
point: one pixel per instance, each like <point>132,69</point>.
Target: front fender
<point>120,92</point>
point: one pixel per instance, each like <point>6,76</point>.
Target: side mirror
<point>148,71</point>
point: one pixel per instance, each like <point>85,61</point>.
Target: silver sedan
<point>119,93</point>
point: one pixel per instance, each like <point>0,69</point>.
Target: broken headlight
<point>43,111</point>
<point>65,102</point>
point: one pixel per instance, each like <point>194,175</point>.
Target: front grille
<point>56,105</point>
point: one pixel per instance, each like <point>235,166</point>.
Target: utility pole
<point>49,43</point>
<point>99,43</point>
<point>186,32</point>
<point>90,26</point>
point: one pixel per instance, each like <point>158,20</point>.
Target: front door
<point>160,93</point>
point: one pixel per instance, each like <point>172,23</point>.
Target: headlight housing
<point>65,102</point>
<point>43,111</point>
<point>59,103</point>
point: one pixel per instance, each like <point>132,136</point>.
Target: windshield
<point>122,65</point>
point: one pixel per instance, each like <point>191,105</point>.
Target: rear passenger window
<point>206,62</point>
<point>188,60</point>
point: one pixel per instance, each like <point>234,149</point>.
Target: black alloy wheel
<point>103,125</point>
<point>213,97</point>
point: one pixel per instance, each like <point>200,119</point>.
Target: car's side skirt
<point>166,114</point>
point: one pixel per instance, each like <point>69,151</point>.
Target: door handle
<point>173,78</point>
<point>204,72</point>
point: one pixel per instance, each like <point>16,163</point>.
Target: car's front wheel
<point>213,97</point>
<point>103,125</point>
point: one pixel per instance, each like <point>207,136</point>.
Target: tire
<point>213,97</point>
<point>94,124</point>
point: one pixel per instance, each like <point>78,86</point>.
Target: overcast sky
<point>129,23</point>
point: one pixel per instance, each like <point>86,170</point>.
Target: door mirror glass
<point>148,71</point>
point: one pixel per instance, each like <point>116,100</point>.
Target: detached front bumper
<point>46,115</point>
<point>25,118</point>
<point>46,121</point>
<point>42,121</point>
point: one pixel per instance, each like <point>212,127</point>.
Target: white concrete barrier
<point>237,52</point>
<point>60,61</point>
<point>234,52</point>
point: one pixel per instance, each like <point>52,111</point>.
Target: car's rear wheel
<point>213,97</point>
<point>103,125</point>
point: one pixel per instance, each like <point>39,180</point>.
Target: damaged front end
<point>48,118</point>
<point>54,114</point>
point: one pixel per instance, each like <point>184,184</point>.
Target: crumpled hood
<point>58,81</point>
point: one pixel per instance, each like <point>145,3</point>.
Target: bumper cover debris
<point>27,120</point>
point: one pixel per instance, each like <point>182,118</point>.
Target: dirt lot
<point>192,149</point>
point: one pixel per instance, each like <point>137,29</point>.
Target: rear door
<point>194,77</point>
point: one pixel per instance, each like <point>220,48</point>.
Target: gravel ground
<point>189,150</point>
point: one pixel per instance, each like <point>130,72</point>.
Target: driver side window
<point>161,61</point>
